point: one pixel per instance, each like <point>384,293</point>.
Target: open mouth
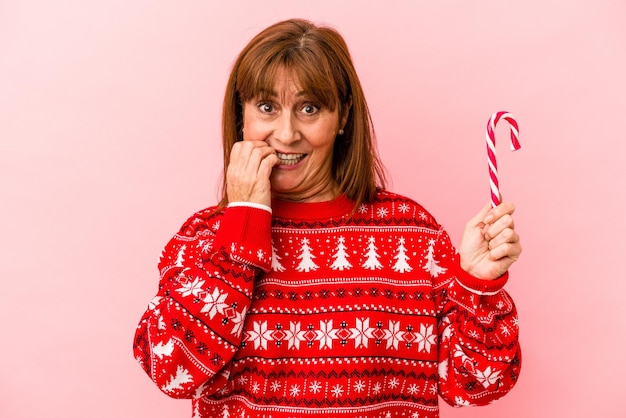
<point>289,159</point>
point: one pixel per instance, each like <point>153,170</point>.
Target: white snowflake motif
<point>260,335</point>
<point>362,208</point>
<point>315,387</point>
<point>403,208</point>
<point>359,386</point>
<point>260,254</point>
<point>326,334</point>
<point>433,389</point>
<point>294,335</point>
<point>255,387</point>
<point>238,321</point>
<point>275,386</point>
<point>505,330</point>
<point>362,332</point>
<point>242,380</point>
<point>337,390</point>
<point>425,338</point>
<point>500,304</point>
<point>382,212</point>
<point>415,415</point>
<point>474,334</point>
<point>191,287</point>
<point>515,322</point>
<point>294,390</point>
<point>393,383</point>
<point>214,303</point>
<point>487,377</point>
<point>423,215</point>
<point>413,389</point>
<point>377,387</point>
<point>216,226</point>
<point>393,335</point>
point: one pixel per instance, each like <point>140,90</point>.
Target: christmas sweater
<point>317,310</point>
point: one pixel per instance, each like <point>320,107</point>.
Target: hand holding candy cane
<point>491,150</point>
<point>490,244</point>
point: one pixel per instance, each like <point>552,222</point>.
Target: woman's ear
<point>345,111</point>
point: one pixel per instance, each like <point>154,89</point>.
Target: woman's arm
<point>192,327</point>
<point>479,352</point>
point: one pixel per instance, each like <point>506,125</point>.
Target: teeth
<point>289,159</point>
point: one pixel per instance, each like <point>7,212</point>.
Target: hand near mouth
<point>248,172</point>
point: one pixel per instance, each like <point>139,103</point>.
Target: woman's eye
<point>265,107</point>
<point>309,109</point>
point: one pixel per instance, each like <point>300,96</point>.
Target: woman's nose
<point>286,129</point>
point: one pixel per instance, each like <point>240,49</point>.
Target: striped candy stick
<point>491,150</point>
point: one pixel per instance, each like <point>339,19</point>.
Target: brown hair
<point>319,58</point>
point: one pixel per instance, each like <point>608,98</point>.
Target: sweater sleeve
<point>193,326</point>
<point>479,352</point>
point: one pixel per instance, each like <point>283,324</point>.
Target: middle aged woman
<point>310,290</point>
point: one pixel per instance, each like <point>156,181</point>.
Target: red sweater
<point>312,312</point>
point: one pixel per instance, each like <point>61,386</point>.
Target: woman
<point>310,290</point>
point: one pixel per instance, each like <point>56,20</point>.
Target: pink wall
<point>109,139</point>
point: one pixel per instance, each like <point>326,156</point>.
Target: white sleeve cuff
<point>250,205</point>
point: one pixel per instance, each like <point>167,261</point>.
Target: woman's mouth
<point>289,159</point>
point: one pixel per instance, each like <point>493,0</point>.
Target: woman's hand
<point>248,172</point>
<point>490,244</point>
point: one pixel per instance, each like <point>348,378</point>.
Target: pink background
<point>109,139</point>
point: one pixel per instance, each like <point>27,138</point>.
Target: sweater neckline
<point>340,206</point>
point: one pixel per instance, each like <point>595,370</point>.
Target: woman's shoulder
<point>390,207</point>
<point>202,220</point>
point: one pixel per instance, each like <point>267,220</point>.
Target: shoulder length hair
<point>319,58</point>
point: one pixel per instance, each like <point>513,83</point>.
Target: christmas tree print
<point>176,381</point>
<point>431,265</point>
<point>372,262</point>
<point>401,265</point>
<point>181,256</point>
<point>306,264</point>
<point>225,413</point>
<point>276,266</point>
<point>341,256</point>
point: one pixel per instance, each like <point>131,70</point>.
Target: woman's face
<point>302,133</point>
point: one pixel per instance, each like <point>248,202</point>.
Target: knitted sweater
<point>311,311</point>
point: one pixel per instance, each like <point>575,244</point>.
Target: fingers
<point>248,155</point>
<point>498,219</point>
<point>249,170</point>
<point>499,232</point>
<point>508,252</point>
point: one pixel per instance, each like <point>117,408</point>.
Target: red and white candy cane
<point>491,150</point>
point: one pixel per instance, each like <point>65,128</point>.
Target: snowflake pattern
<point>214,303</point>
<point>389,318</point>
<point>382,212</point>
<point>315,387</point>
<point>191,287</point>
<point>294,390</point>
<point>359,386</point>
<point>337,390</point>
<point>403,208</point>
